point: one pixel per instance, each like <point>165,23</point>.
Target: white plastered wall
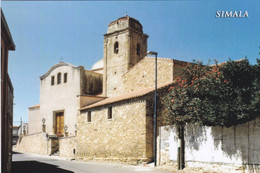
<point>61,97</point>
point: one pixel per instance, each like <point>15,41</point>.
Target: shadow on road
<point>36,167</point>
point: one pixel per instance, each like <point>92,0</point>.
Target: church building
<point>106,112</point>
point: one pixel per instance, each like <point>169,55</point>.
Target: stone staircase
<point>55,146</point>
<point>57,153</point>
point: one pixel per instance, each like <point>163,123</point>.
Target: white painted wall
<point>237,145</point>
<point>34,120</point>
<point>61,97</point>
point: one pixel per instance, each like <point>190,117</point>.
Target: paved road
<point>30,163</point>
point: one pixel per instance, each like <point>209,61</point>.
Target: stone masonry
<point>125,44</point>
<point>36,143</point>
<point>67,147</point>
<point>124,137</point>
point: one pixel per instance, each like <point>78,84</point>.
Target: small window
<point>65,78</point>
<point>52,80</point>
<point>59,78</point>
<point>116,48</point>
<point>138,49</point>
<point>109,113</point>
<point>89,116</point>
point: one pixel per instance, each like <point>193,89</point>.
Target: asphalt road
<point>30,163</point>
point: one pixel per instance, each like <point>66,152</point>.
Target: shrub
<point>226,94</point>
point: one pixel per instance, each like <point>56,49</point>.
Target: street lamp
<point>65,129</point>
<point>155,107</point>
<point>43,125</point>
<point>24,129</point>
<point>43,121</point>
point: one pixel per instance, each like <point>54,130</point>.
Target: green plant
<point>225,95</point>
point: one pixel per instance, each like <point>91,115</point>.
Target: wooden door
<point>59,123</point>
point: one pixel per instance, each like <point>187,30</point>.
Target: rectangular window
<point>89,116</point>
<point>109,113</point>
<point>52,80</point>
<point>58,78</point>
<point>65,78</point>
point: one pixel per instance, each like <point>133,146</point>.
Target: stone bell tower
<point>125,44</point>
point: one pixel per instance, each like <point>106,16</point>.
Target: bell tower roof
<point>124,23</point>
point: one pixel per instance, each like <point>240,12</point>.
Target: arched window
<point>138,49</point>
<point>59,78</point>
<point>116,48</point>
<point>65,78</point>
<point>52,80</point>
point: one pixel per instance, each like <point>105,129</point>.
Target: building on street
<point>7,94</point>
<point>106,113</point>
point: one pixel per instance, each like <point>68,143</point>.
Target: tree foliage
<point>226,94</point>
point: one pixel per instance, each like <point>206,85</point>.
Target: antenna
<point>125,12</point>
<point>61,59</point>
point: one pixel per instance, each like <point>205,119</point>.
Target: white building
<point>64,89</point>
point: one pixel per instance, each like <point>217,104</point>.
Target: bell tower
<point>125,44</point>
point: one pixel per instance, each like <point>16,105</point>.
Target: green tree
<point>226,94</point>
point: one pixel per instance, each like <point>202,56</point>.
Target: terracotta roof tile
<point>35,106</point>
<point>128,96</point>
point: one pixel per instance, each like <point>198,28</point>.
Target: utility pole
<point>21,121</point>
<point>20,130</point>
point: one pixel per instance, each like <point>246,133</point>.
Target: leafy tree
<point>226,94</point>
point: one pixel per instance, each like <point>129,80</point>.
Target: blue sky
<point>185,30</point>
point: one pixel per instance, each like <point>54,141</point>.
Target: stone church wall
<point>124,137</point>
<point>67,147</point>
<point>35,143</point>
<point>142,75</point>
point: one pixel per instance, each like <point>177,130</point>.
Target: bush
<point>226,94</point>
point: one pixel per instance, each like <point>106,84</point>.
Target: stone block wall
<point>36,143</point>
<point>121,138</point>
<point>142,75</point>
<point>233,149</point>
<point>67,147</point>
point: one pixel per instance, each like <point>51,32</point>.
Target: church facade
<point>106,112</point>
<point>64,89</point>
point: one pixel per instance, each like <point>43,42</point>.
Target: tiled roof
<point>134,94</point>
<point>220,64</point>
<point>35,106</point>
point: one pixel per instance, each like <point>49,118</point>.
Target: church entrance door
<point>59,127</point>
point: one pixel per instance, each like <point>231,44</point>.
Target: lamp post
<point>155,107</point>
<point>24,130</point>
<point>65,129</point>
<point>43,124</point>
